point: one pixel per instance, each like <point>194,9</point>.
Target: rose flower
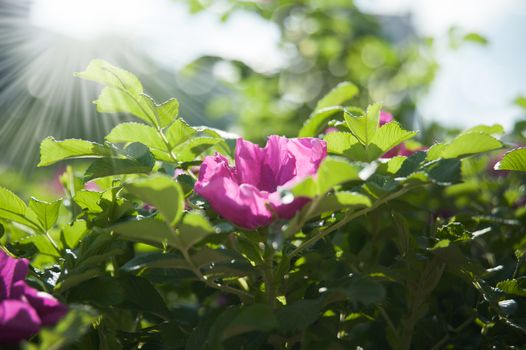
<point>23,309</point>
<point>248,193</point>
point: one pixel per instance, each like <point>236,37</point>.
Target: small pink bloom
<point>385,117</point>
<point>247,194</point>
<point>92,186</point>
<point>402,150</point>
<point>23,309</point>
<point>331,129</point>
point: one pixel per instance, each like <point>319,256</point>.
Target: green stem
<point>227,289</point>
<point>268,275</point>
<point>348,217</point>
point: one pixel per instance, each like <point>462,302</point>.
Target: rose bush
<point>180,237</point>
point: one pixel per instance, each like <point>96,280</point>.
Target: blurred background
<point>258,67</point>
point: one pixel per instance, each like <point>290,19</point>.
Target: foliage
<point>420,251</point>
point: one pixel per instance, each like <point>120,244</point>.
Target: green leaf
<point>69,330</point>
<point>334,171</point>
<point>46,212</point>
<point>114,100</point>
<point>140,161</point>
<point>155,260</point>
<point>317,121</point>
<point>239,320</point>
<point>88,200</point>
<point>364,127</point>
<point>520,101</point>
<point>514,286</point>
<point>136,132</point>
<point>342,200</point>
<point>109,167</point>
<point>387,137</point>
<point>52,151</point>
<point>445,171</point>
<point>468,144</point>
<point>149,231</point>
<point>14,209</point>
<point>298,315</point>
<point>162,192</point>
<point>193,228</point>
<point>342,93</point>
<point>476,38</point>
<point>73,233</point>
<point>495,129</point>
<point>345,144</point>
<point>142,296</point>
<point>168,111</point>
<point>189,150</point>
<point>365,290</point>
<point>179,132</point>
<point>513,160</point>
<point>105,73</point>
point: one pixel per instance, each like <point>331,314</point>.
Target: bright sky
<point>475,84</point>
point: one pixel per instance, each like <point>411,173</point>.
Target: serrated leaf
<point>14,209</point>
<point>52,151</point>
<point>495,129</point>
<point>168,111</point>
<point>364,127</point>
<point>105,73</point>
<point>514,286</point>
<point>317,121</point>
<point>345,144</point>
<point>109,167</point>
<point>46,212</point>
<point>149,231</point>
<point>73,233</point>
<point>192,229</point>
<point>88,200</point>
<point>469,144</point>
<point>341,200</point>
<point>342,93</point>
<point>179,132</point>
<point>191,149</point>
<point>162,192</point>
<point>445,171</point>
<point>513,160</point>
<point>136,132</point>
<point>113,100</point>
<point>389,136</point>
<point>334,171</point>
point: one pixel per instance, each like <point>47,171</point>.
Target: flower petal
<point>49,309</point>
<point>11,271</point>
<point>243,205</point>
<point>385,117</point>
<point>18,321</point>
<point>249,157</point>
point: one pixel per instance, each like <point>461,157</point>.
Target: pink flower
<point>385,117</point>
<point>247,194</point>
<point>23,310</point>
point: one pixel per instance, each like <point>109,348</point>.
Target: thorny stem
<point>348,217</point>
